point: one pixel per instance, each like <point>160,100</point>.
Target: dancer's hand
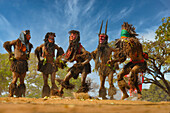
<point>11,57</point>
<point>109,61</point>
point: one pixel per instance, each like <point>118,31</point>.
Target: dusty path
<point>52,105</point>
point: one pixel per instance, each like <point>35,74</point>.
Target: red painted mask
<point>102,38</point>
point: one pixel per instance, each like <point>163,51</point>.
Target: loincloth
<point>19,66</point>
<point>76,69</point>
<point>142,65</point>
<point>106,70</point>
<point>48,68</point>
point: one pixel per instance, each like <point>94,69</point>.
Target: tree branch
<point>154,76</point>
<point>166,84</point>
<point>147,82</point>
<point>162,87</point>
<point>166,71</point>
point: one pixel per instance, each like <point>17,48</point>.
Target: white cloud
<point>149,34</point>
<point>167,76</point>
<point>88,6</point>
<point>123,13</point>
<point>3,21</point>
<point>123,10</point>
<point>141,22</point>
<point>6,28</point>
<point>165,13</point>
<point>165,3</point>
<point>71,12</point>
<point>145,86</point>
<point>1,42</point>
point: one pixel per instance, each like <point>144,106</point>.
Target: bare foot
<point>124,96</point>
<point>139,96</point>
<point>104,98</point>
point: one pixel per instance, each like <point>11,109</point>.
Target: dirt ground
<point>60,105</point>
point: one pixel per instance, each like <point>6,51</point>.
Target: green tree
<point>155,93</point>
<point>33,79</point>
<point>159,56</point>
<point>5,73</point>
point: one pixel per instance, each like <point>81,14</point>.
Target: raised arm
<point>119,56</point>
<point>38,51</point>
<point>114,49</point>
<point>93,54</point>
<point>8,44</point>
<point>60,50</point>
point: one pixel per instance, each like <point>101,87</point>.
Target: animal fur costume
<point>101,56</point>
<point>19,65</point>
<point>49,64</point>
<point>76,52</point>
<point>48,49</point>
<point>129,46</point>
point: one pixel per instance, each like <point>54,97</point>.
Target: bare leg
<point>68,76</point>
<point>110,77</point>
<point>112,89</point>
<point>121,82</point>
<point>54,88</point>
<point>84,86</point>
<point>53,80</point>
<point>102,90</point>
<point>45,78</point>
<point>46,88</point>
<point>13,86</point>
<point>134,79</point>
<point>21,86</point>
<point>22,76</point>
<point>15,77</point>
<point>65,83</point>
<point>83,78</point>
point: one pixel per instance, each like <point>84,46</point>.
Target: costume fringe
<point>7,46</point>
<point>19,66</point>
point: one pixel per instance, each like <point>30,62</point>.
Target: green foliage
<point>5,73</point>
<point>160,48</point>
<point>163,32</point>
<point>155,93</point>
<point>163,35</point>
<point>33,79</point>
<point>159,56</point>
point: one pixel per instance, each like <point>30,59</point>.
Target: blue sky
<point>61,16</point>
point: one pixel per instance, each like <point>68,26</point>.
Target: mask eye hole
<point>102,37</point>
<point>51,37</point>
